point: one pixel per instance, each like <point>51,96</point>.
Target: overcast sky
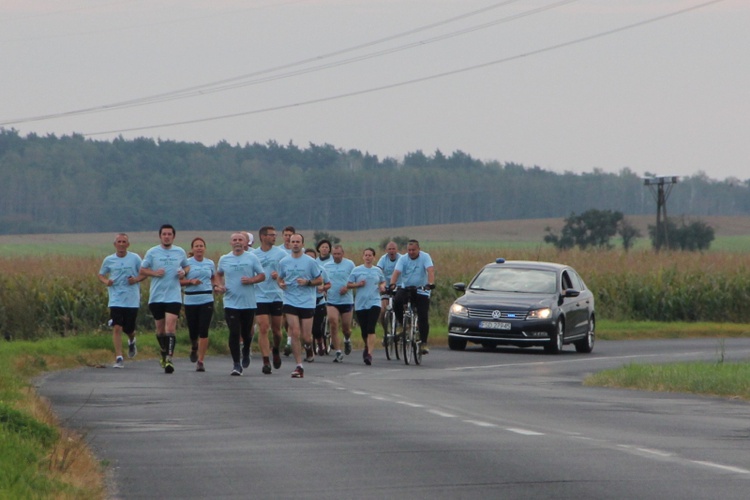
<point>564,85</point>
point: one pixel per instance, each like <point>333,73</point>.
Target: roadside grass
<point>39,456</point>
<point>723,379</point>
<point>719,378</point>
<point>645,330</point>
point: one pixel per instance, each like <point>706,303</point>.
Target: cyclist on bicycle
<point>387,263</point>
<point>414,269</point>
<point>320,306</point>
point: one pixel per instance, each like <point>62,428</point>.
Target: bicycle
<point>326,336</point>
<point>412,343</point>
<point>324,348</point>
<point>390,337</point>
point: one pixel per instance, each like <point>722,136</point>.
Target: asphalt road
<point>507,424</point>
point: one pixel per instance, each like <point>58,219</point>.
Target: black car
<point>523,303</point>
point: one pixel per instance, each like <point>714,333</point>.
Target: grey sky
<point>666,97</point>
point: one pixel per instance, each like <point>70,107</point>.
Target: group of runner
<point>272,286</point>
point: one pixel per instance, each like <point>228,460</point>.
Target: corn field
<point>57,295</point>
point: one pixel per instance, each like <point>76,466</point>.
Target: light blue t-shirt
<point>165,288</point>
<point>339,276</point>
<point>286,250</point>
<point>269,291</point>
<point>234,267</point>
<point>203,270</point>
<point>325,261</point>
<point>290,269</point>
<point>414,271</point>
<point>320,297</point>
<point>119,269</point>
<point>387,265</point>
<point>367,296</point>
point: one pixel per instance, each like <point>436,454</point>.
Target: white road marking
<point>577,360</point>
<point>727,468</point>
<point>479,423</point>
<point>524,432</point>
<point>410,404</point>
<point>441,413</point>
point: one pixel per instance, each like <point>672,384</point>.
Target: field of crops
<point>46,295</point>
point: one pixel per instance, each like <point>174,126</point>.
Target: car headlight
<point>459,310</point>
<point>540,314</point>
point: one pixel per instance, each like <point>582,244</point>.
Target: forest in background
<point>71,184</point>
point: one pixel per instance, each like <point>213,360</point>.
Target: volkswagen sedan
<point>523,303</point>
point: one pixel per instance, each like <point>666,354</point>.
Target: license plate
<point>494,325</point>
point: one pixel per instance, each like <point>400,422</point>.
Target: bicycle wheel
<point>397,337</point>
<point>326,337</point>
<point>406,341</point>
<point>416,345</point>
<point>388,339</point>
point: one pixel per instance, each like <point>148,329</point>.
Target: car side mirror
<point>571,293</point>
<point>461,287</point>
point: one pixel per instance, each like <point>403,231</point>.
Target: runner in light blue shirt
<point>270,298</point>
<point>369,282</point>
<point>199,300</point>
<point>299,275</point>
<point>237,272</point>
<point>121,273</point>
<point>340,305</point>
<point>166,265</point>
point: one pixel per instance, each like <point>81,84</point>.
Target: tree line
<point>73,184</point>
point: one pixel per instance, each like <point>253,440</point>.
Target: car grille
<point>496,314</point>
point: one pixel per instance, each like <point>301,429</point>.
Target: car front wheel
<point>556,342</point>
<point>456,344</point>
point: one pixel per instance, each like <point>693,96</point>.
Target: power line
<point>207,88</point>
<point>421,79</point>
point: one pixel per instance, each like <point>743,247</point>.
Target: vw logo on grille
<point>496,314</point>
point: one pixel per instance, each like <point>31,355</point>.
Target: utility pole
<point>660,187</point>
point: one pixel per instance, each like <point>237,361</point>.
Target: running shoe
<point>119,363</point>
<point>193,356</point>
<point>310,354</point>
<point>199,367</point>
<point>321,347</point>
<point>276,358</point>
<point>347,347</point>
<point>298,372</point>
<point>237,370</point>
<point>132,349</point>
<point>163,362</point>
<point>245,360</point>
<point>287,350</point>
<point>368,359</point>
<point>168,366</point>
<point>266,369</point>
<point>425,349</point>
<point>339,358</point>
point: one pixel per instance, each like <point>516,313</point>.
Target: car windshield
<point>505,279</point>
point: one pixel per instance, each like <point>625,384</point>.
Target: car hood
<point>500,300</point>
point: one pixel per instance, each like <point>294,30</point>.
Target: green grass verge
<point>36,459</point>
<point>722,379</point>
